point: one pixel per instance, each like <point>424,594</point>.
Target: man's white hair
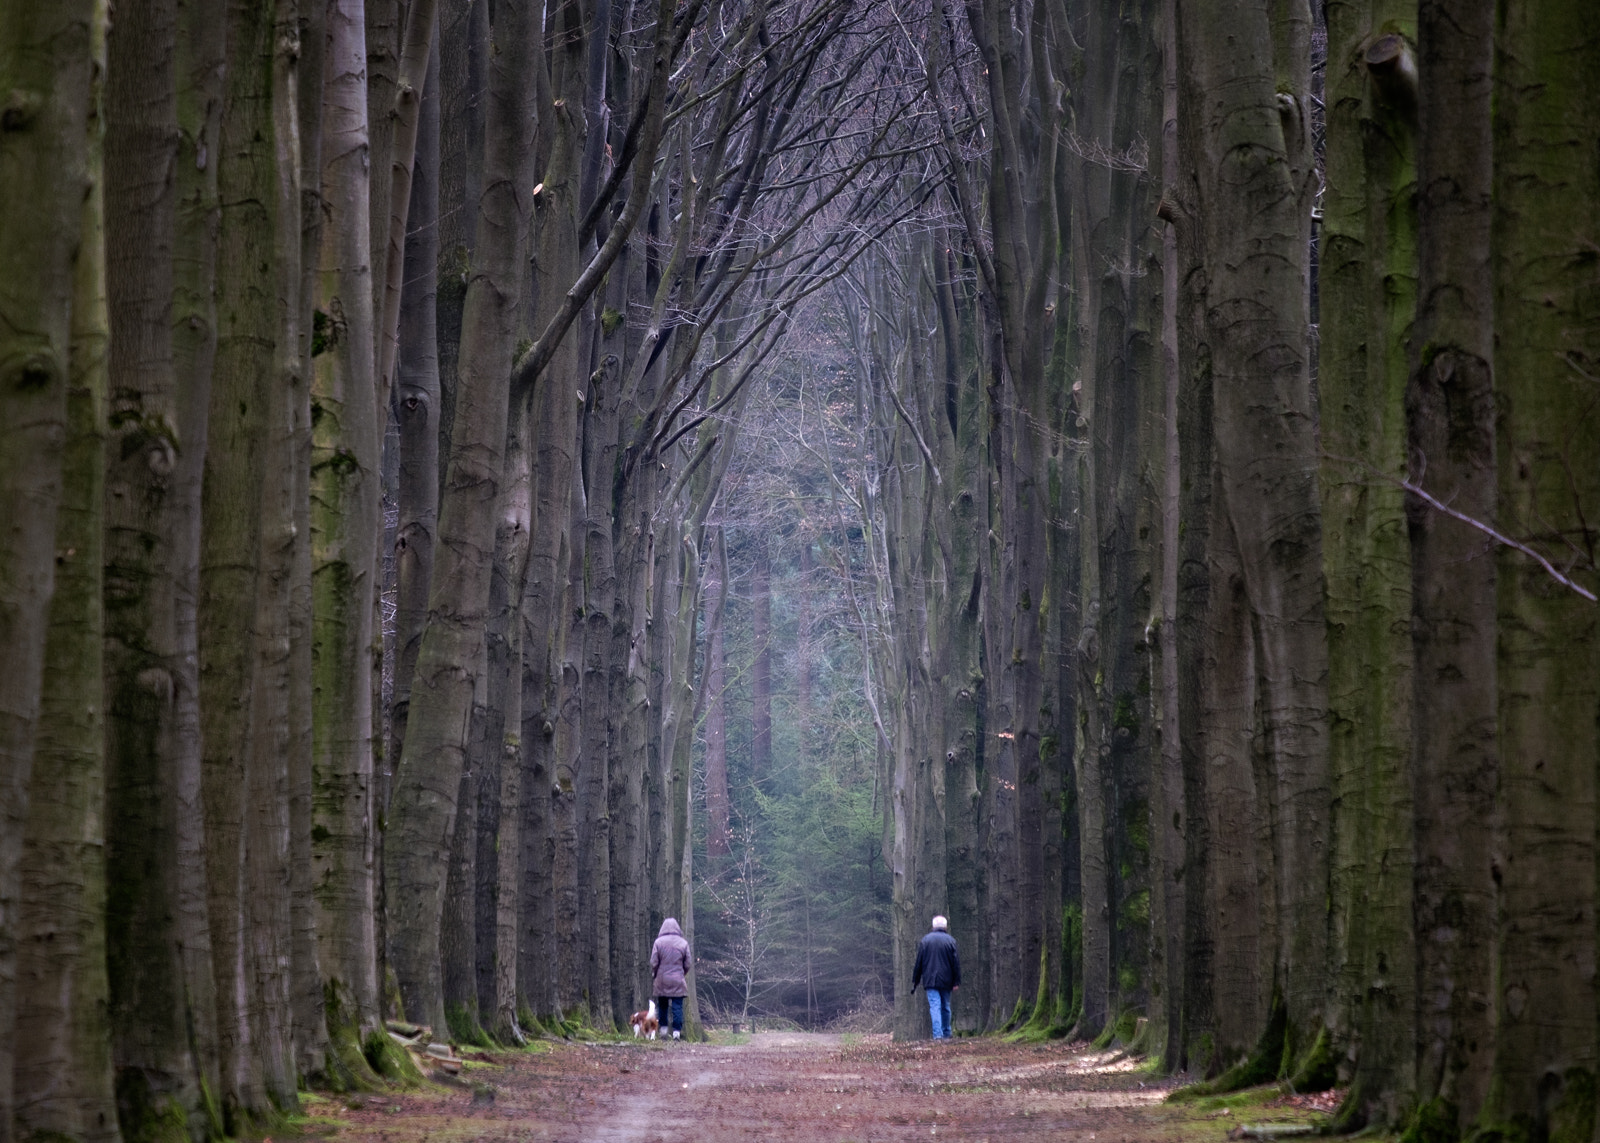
<point>941,923</point>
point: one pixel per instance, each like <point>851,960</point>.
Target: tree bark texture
<point>247,563</point>
<point>1546,222</point>
<point>717,835</point>
<point>1169,811</point>
<point>1247,72</point>
<point>423,808</point>
<point>417,407</point>
<point>1023,120</point>
<point>1367,299</point>
<point>549,830</point>
<point>64,1081</point>
<point>310,1027</point>
<point>46,63</point>
<point>162,995</point>
<point>345,524</point>
<point>500,812</point>
<point>1450,436</point>
<point>459,934</point>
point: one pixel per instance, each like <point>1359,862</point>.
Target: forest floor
<point>804,1086</point>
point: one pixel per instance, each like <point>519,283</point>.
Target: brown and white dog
<point>646,1023</point>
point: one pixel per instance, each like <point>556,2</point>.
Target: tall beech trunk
<point>501,712</point>
<point>345,526</point>
<point>548,830</point>
<point>717,835</point>
<point>458,942</point>
<point>246,560</point>
<point>1178,208</point>
<point>1024,110</point>
<point>906,528</point>
<point>144,577</point>
<point>162,1005</point>
<point>414,67</point>
<point>445,198</point>
<point>384,20</point>
<point>1092,746</point>
<point>500,809</point>
<point>46,60</point>
<point>1547,349</point>
<point>592,588</point>
<point>64,1083</point>
<point>418,405</point>
<point>1169,812</point>
<point>1252,161</point>
<point>384,25</point>
<point>310,1026</point>
<point>500,1004</point>
<point>423,806</point>
<point>1450,437</point>
<point>269,947</point>
<point>960,427</point>
<point>1124,437</point>
<point>1367,264</point>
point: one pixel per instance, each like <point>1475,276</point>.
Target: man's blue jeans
<point>939,1012</point>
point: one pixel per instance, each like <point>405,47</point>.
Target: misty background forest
<point>481,477</point>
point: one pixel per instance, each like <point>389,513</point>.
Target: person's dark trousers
<point>673,1005</point>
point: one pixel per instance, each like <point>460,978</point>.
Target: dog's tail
<point>653,1014</point>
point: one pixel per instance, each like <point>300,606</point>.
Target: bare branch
<point>1472,522</point>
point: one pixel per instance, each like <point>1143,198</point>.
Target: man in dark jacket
<point>670,963</point>
<point>938,970</point>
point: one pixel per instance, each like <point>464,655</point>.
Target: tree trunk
<point>418,407</point>
<point>1450,428</point>
<point>1253,166</point>
<point>1169,812</point>
<point>384,20</point>
<point>162,1002</point>
<point>246,563</point>
<point>268,950</point>
<point>423,807</point>
<point>1024,111</point>
<point>64,1083</point>
<point>962,427</point>
<point>310,1026</point>
<point>1092,746</point>
<point>500,809</point>
<point>549,831</point>
<point>459,930</point>
<point>717,836</point>
<point>414,70</point>
<point>1367,264</point>
<point>46,61</point>
<point>1547,348</point>
<point>593,582</point>
<point>1194,650</point>
<point>345,527</point>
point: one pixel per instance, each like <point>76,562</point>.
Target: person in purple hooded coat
<point>670,962</point>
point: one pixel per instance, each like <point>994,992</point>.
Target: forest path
<point>793,1086</point>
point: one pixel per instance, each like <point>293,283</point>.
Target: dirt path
<point>777,1086</point>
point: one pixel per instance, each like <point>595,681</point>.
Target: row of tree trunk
<point>370,371</point>
<point>1249,603</point>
